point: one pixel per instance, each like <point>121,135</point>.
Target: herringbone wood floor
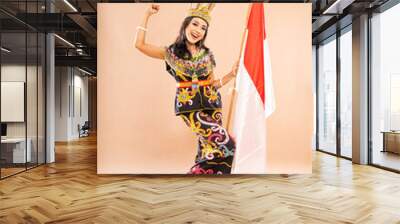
<point>69,191</point>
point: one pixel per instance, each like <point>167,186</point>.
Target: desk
<point>13,150</point>
<point>391,141</point>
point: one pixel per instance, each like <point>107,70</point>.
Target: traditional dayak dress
<point>199,104</point>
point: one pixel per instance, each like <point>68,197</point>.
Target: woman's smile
<point>195,36</point>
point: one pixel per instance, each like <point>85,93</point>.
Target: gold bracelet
<point>141,28</point>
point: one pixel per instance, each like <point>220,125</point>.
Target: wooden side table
<point>391,141</point>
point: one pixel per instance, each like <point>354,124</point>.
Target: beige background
<point>138,132</point>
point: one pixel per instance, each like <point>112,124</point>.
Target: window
<point>327,96</point>
<point>385,88</point>
<point>346,93</point>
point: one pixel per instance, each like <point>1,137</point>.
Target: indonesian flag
<point>255,97</point>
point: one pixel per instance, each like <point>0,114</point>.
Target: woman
<point>197,99</point>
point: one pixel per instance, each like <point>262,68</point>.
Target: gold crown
<point>202,11</point>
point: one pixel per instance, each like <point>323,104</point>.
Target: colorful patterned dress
<point>199,104</point>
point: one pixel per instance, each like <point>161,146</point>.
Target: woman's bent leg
<point>216,148</point>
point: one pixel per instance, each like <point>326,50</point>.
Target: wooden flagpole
<point>240,54</point>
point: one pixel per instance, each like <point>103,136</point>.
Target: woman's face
<point>196,30</point>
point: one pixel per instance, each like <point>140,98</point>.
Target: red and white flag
<point>255,97</point>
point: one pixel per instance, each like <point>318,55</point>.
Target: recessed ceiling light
<point>338,6</point>
<point>84,71</point>
<point>5,50</point>
<point>64,40</point>
<point>70,5</point>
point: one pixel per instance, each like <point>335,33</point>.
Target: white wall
<point>71,93</point>
<point>12,73</point>
<point>81,103</point>
<point>62,81</point>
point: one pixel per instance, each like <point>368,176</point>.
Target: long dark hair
<point>179,46</point>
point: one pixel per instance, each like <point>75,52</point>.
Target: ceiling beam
<point>83,61</point>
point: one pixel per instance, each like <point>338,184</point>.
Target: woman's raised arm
<point>148,49</point>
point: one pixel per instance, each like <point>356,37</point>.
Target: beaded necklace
<point>200,64</point>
